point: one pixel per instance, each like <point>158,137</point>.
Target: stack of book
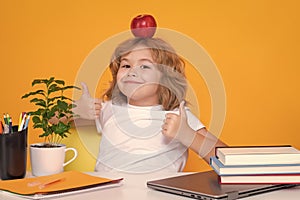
<point>257,165</point>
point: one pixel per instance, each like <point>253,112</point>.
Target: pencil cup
<point>13,154</point>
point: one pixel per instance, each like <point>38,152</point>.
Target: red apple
<point>143,26</point>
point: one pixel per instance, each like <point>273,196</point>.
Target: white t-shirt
<point>132,140</point>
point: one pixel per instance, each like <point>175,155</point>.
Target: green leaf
<point>61,128</point>
<point>49,81</point>
<point>70,87</point>
<point>37,126</point>
<point>41,92</point>
<point>36,119</point>
<point>37,100</point>
<point>44,135</point>
<point>37,112</point>
<point>53,99</point>
<point>61,114</point>
<point>42,103</point>
<point>36,81</point>
<point>50,104</point>
<point>53,88</point>
<point>60,82</point>
<point>66,98</point>
<point>62,105</point>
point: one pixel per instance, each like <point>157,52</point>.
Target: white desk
<point>134,187</point>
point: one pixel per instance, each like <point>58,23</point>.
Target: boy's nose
<point>132,72</point>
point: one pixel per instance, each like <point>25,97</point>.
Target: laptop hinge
<point>232,195</point>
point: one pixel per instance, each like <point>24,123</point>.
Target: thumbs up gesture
<point>87,107</point>
<point>176,126</point>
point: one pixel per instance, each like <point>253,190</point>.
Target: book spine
<point>261,179</point>
<point>221,169</point>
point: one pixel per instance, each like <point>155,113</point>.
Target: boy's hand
<point>87,107</point>
<point>176,126</point>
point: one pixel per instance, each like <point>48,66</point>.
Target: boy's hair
<point>172,86</point>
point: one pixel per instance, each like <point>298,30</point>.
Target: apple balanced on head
<point>143,26</point>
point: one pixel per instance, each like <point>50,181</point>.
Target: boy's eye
<point>125,66</point>
<point>144,67</point>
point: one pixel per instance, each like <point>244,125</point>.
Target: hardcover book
<point>261,179</point>
<point>258,155</point>
<point>222,169</point>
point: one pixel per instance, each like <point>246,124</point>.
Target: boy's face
<point>138,78</point>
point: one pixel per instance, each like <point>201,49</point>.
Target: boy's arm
<point>201,141</point>
<point>204,143</point>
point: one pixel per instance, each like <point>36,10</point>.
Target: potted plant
<point>53,116</point>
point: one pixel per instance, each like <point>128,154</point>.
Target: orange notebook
<point>65,182</point>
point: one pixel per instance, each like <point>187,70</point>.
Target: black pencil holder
<point>13,154</point>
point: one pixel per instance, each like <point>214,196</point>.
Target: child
<point>144,123</point>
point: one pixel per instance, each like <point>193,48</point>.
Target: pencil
<point>20,119</point>
<point>43,185</point>
<point>22,123</point>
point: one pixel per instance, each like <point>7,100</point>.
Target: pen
<point>5,119</point>
<point>22,123</point>
<point>10,125</point>
<point>41,186</point>
<point>8,119</point>
<point>27,121</point>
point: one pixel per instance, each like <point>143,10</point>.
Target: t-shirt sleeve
<point>193,121</point>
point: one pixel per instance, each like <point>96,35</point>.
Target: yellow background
<point>254,43</point>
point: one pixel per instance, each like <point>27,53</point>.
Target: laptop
<point>205,185</point>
